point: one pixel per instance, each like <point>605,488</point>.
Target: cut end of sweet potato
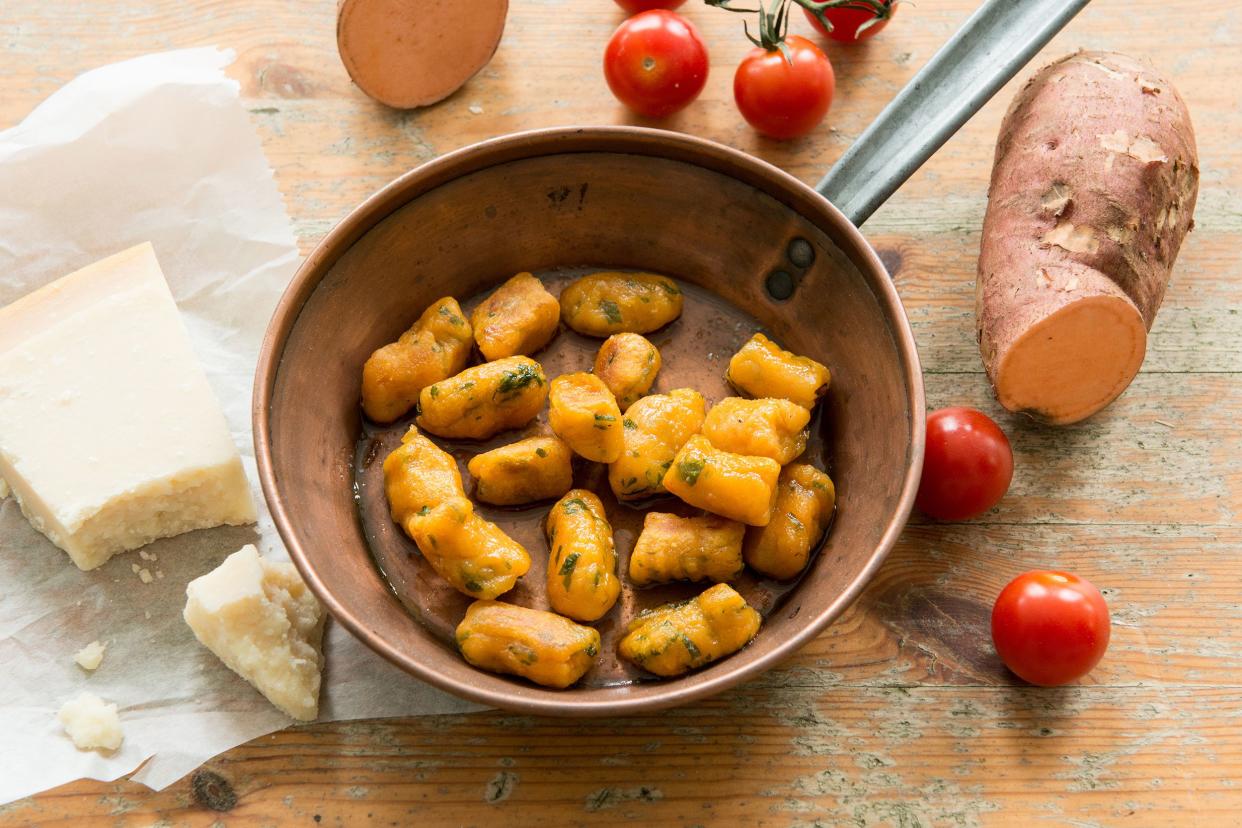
<point>408,53</point>
<point>1074,362</point>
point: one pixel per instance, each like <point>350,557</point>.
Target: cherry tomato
<point>846,20</point>
<point>783,99</point>
<point>1050,627</point>
<point>636,6</point>
<point>967,466</point>
<point>656,63</point>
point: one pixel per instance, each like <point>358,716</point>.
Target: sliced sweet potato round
<point>408,53</point>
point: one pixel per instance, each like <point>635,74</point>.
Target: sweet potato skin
<point>1093,190</point>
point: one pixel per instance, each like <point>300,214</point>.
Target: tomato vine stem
<point>774,17</point>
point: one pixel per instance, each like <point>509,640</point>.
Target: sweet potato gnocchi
<point>765,427</point>
<point>484,400</point>
<point>536,468</point>
<point>737,486</point>
<point>628,364</point>
<point>582,564</point>
<point>537,645</point>
<point>763,369</point>
<point>763,509</point>
<point>804,501</point>
<point>519,318</point>
<point>603,304</point>
<point>418,475</point>
<point>672,548</point>
<point>675,638</point>
<point>472,554</point>
<point>583,413</point>
<point>435,347</point>
<point>653,430</point>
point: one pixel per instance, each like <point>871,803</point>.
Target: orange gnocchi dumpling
<point>537,645</point>
<point>418,474</point>
<point>763,369</point>
<point>767,427</point>
<point>536,468</point>
<point>675,638</point>
<point>603,304</point>
<point>484,400</point>
<point>804,502</point>
<point>472,554</point>
<point>583,413</point>
<point>672,548</point>
<point>435,347</point>
<point>582,561</point>
<point>520,317</point>
<point>653,429</point>
<point>628,364</point>
<point>737,486</point>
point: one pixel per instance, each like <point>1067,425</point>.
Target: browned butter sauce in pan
<point>695,350</point>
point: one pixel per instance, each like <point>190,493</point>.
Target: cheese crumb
<point>147,614</point>
<point>134,568</point>
<point>259,618</point>
<point>89,657</point>
<point>144,575</point>
<point>475,109</point>
<point>91,722</point>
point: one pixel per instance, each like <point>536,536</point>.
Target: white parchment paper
<point>154,149</point>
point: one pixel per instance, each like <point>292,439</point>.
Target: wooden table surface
<point>900,714</point>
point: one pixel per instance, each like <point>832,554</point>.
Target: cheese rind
<point>110,436</point>
<point>91,722</point>
<point>259,618</point>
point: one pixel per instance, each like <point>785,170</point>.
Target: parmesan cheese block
<point>91,722</point>
<point>259,618</point>
<point>110,436</point>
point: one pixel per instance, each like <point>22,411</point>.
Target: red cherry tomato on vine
<point>656,63</point>
<point>846,20</point>
<point>636,6</point>
<point>1050,627</point>
<point>967,466</point>
<point>785,98</point>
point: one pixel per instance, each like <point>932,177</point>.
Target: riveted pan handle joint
<point>998,40</point>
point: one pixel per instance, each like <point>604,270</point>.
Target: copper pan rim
<point>774,182</point>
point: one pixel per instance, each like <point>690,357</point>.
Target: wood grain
<point>899,714</point>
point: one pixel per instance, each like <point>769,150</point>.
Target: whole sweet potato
<point>1093,190</point>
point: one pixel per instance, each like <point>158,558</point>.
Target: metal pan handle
<point>997,41</point>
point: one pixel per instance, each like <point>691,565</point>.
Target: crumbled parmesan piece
<point>259,618</point>
<point>89,657</point>
<point>91,722</point>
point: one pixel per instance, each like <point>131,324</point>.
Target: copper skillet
<point>778,253</point>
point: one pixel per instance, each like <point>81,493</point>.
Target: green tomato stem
<point>774,19</point>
